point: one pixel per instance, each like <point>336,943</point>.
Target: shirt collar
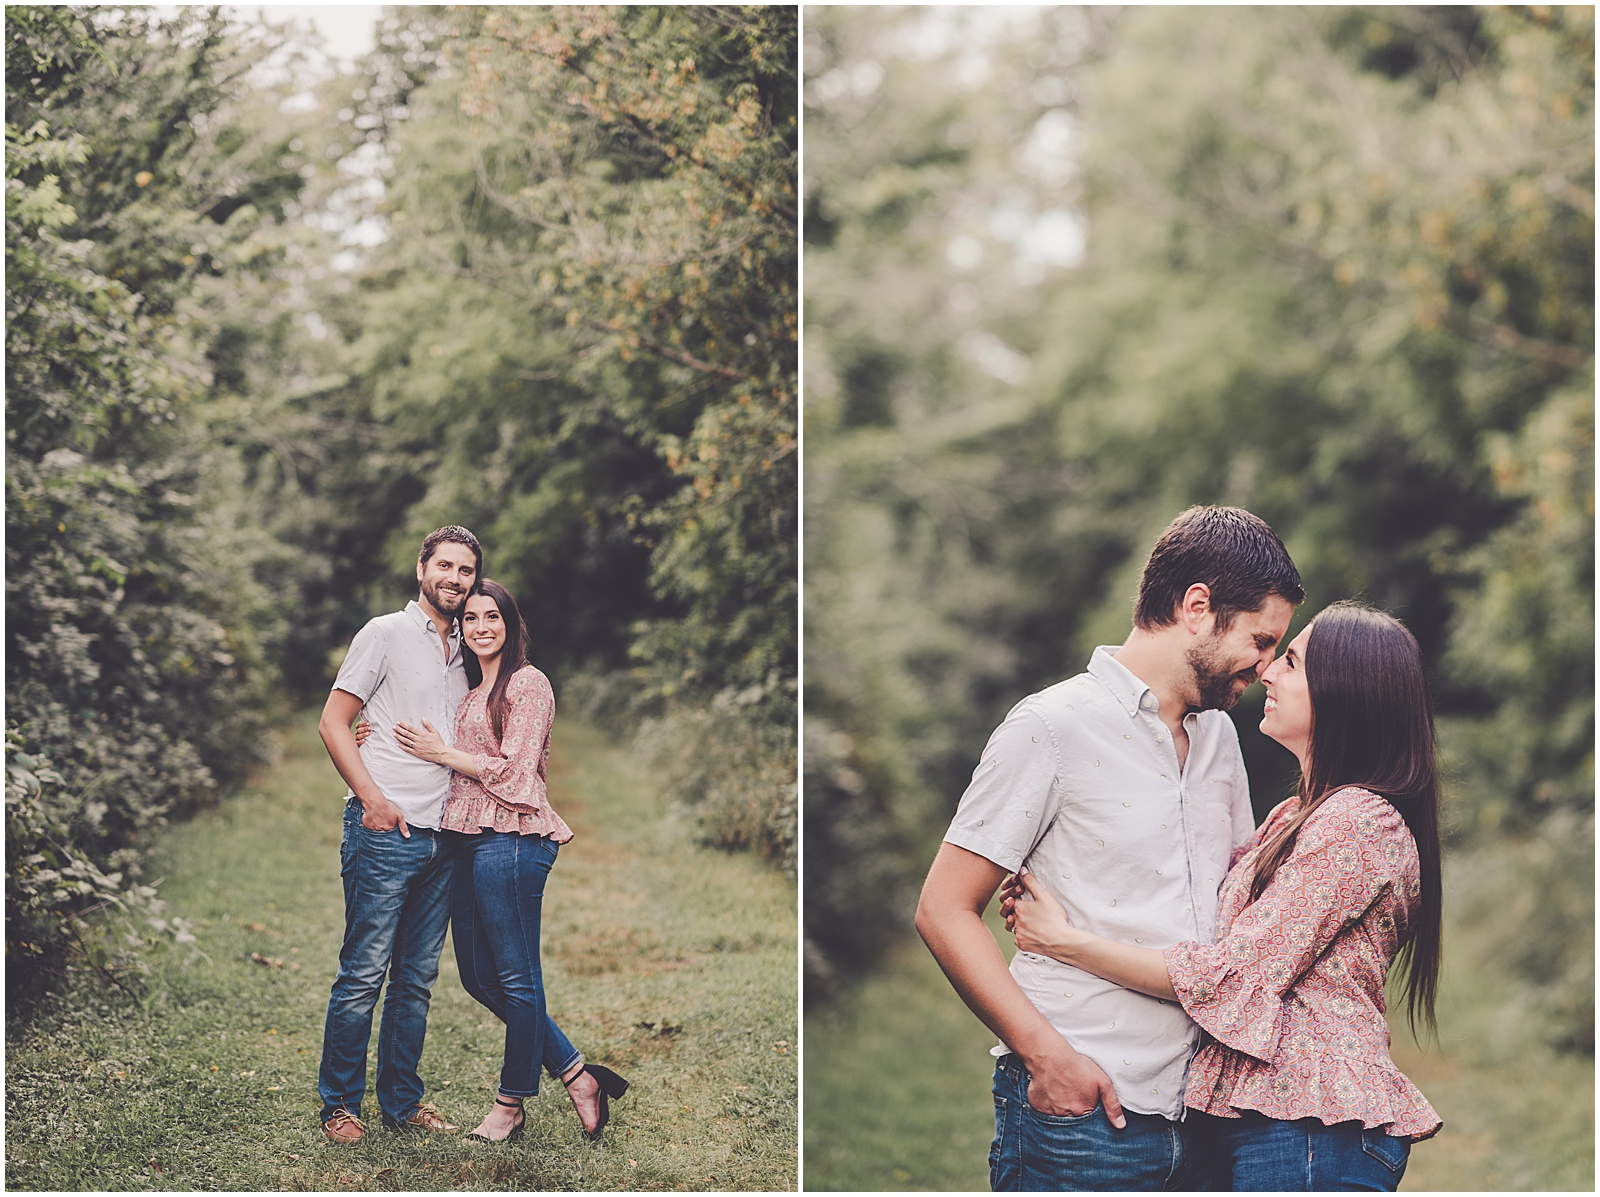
<point>1125,687</point>
<point>420,618</point>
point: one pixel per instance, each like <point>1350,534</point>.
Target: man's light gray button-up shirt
<point>399,668</point>
<point>1081,783</point>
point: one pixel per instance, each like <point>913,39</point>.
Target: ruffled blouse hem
<point>1331,1089</point>
<point>460,816</point>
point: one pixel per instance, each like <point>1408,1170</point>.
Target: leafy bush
<point>730,766</point>
<point>54,891</point>
<point>140,619</point>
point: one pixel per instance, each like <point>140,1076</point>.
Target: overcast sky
<point>346,29</point>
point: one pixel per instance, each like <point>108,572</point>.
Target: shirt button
<point>1066,876</point>
<point>1128,737</point>
<point>1111,1026</point>
<point>980,822</point>
<point>1029,813</point>
<point>1113,901</point>
<point>1102,843</point>
<point>1125,804</point>
<point>1158,872</point>
<point>1036,739</point>
<point>1135,941</point>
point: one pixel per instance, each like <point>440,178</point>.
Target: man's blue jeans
<point>1255,1153</point>
<point>1034,1152</point>
<point>495,905</point>
<point>396,909</point>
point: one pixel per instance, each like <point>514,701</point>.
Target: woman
<point>507,836</point>
<point>1294,1079</point>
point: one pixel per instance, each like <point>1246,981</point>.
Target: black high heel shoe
<point>514,1133</point>
<point>611,1086</point>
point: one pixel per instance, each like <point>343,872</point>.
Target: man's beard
<point>1219,688</point>
<point>444,602</point>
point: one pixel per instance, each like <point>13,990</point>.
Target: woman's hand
<point>1040,925</point>
<point>363,730</point>
<point>427,743</point>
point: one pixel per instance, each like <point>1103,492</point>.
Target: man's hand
<point>950,920</point>
<point>1072,1084</point>
<point>379,814</point>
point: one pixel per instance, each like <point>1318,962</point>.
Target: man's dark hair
<point>455,534</point>
<point>1234,553</point>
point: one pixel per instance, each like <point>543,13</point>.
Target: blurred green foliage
<point>1069,271</point>
<point>531,270</point>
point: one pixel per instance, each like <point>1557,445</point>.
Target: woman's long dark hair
<point>1372,726</point>
<point>512,657</point>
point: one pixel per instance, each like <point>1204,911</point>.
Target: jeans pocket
<point>1063,1119</point>
<point>1389,1151</point>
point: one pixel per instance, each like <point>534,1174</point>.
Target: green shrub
<point>730,766</point>
<point>54,890</point>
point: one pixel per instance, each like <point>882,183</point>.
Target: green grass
<point>674,964</point>
<point>897,1089</point>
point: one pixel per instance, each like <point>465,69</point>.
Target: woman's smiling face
<point>1287,714</point>
<point>482,627</point>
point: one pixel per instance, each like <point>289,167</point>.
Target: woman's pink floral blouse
<point>509,792</point>
<point>1292,990</point>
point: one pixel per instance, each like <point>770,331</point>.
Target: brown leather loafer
<point>343,1127</point>
<point>428,1119</point>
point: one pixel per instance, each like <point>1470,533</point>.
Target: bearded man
<point>1122,790</point>
<point>405,667</point>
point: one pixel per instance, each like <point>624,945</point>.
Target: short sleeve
<point>513,777</point>
<point>1014,794</point>
<point>1339,866</point>
<point>365,663</point>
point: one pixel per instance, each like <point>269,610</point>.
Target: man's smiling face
<point>1225,663</point>
<point>447,576</point>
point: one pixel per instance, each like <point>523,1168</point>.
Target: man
<point>403,667</point>
<point>1124,792</point>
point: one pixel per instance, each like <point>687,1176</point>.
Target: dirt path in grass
<point>673,964</point>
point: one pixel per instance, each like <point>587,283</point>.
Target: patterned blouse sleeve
<point>1343,860</point>
<point>512,778</point>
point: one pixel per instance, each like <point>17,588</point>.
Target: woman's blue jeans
<point>495,899</point>
<point>1257,1154</point>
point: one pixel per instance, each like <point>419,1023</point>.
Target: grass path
<point>671,963</point>
<point>897,1089</point>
